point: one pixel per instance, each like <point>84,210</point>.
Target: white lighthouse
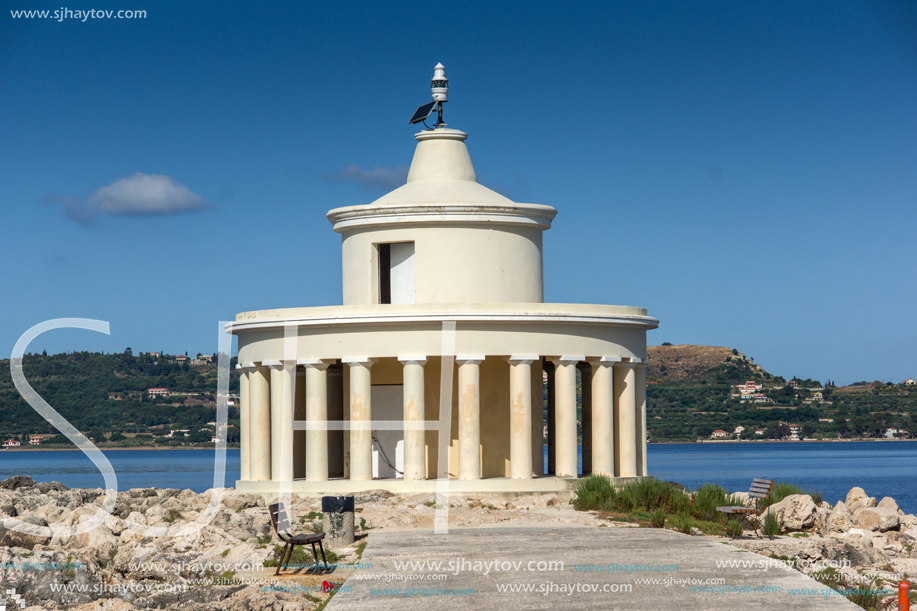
<point>443,292</point>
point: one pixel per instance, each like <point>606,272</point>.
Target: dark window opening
<point>385,273</point>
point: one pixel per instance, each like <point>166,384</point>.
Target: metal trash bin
<point>338,520</point>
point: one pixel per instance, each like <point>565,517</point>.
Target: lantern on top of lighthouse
<point>440,86</point>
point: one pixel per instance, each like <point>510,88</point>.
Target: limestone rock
<point>907,521</point>
<point>16,482</point>
<point>888,503</point>
<point>838,520</point>
<point>795,512</point>
<point>855,494</point>
<point>45,487</point>
<point>235,502</point>
<point>15,538</point>
<point>875,518</point>
<point>420,499</point>
<point>821,520</point>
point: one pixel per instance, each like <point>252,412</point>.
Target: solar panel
<point>422,112</point>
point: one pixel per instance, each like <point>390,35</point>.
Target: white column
<point>565,414</point>
<point>244,447</point>
<point>414,414</point>
<point>469,397</point>
<point>625,419</point>
<point>361,435</point>
<point>316,411</point>
<point>603,446</point>
<point>640,387</point>
<point>520,426</point>
<point>276,375</point>
<point>259,412</point>
<point>283,374</point>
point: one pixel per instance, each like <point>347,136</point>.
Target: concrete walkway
<point>616,587</point>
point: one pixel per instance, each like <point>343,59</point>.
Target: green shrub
<point>734,528</point>
<point>649,494</point>
<point>771,525</point>
<point>682,523</point>
<point>301,557</point>
<point>816,496</point>
<point>593,492</point>
<point>707,498</point>
<point>657,518</point>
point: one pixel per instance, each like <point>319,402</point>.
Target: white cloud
<point>145,194</point>
<point>137,195</point>
<point>386,178</point>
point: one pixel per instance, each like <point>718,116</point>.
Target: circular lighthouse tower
<point>437,362</point>
<point>442,237</point>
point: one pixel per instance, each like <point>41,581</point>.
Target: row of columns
<point>614,418</point>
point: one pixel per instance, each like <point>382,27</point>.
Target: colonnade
<point>613,422</point>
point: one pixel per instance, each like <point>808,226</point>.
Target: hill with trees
<point>105,397</point>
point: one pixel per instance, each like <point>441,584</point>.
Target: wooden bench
<point>280,520</point>
<point>760,489</point>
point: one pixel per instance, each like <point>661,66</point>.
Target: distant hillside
<point>102,394</point>
<point>689,363</point>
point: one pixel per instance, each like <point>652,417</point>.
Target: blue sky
<point>746,171</point>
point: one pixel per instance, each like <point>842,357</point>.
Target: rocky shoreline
<point>221,566</point>
<point>858,542</point>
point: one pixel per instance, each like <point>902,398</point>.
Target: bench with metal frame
<point>280,520</point>
<point>760,489</point>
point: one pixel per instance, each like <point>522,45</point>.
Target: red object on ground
<point>904,603</point>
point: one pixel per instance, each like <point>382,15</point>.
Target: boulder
<point>869,501</point>
<point>45,487</point>
<point>235,502</point>
<point>115,524</point>
<point>878,519</point>
<point>888,503</point>
<point>795,512</point>
<point>99,540</point>
<point>16,482</point>
<point>142,493</point>
<point>907,521</point>
<point>15,538</point>
<point>821,520</point>
<point>855,494</point>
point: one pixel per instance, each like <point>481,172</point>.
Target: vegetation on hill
<point>104,396</point>
<point>695,405</point>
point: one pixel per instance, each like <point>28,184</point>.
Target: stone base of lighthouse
<point>500,487</point>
